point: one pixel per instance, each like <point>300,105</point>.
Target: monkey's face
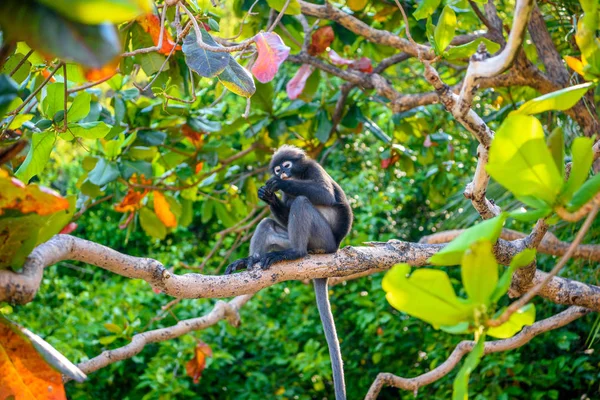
<point>285,170</point>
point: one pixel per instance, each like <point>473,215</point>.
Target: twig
<point>279,16</point>
<point>464,347</point>
<point>16,68</point>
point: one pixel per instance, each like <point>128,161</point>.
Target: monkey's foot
<point>242,263</point>
<point>276,256</point>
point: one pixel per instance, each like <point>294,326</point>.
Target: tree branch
<point>495,65</point>
<point>222,310</point>
<point>464,347</point>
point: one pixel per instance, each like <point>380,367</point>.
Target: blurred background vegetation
<point>404,174</point>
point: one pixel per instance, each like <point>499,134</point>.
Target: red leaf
<point>196,365</point>
<point>427,142</point>
<point>336,59</point>
<point>71,226</point>
<point>151,24</point>
<point>320,40</point>
<point>271,53</point>
<point>363,65</point>
<point>296,85</point>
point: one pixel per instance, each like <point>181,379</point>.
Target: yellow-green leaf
<point>523,316</point>
<point>559,100</point>
<point>583,157</point>
<point>94,12</point>
<point>479,272</point>
<point>520,260</point>
<point>292,9</point>
<point>444,30</point>
<point>453,252</point>
<point>520,161</point>
<point>427,294</point>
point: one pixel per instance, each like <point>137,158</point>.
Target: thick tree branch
<point>464,347</point>
<point>21,287</point>
<point>480,68</point>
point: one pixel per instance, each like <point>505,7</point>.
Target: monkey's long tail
<point>335,353</point>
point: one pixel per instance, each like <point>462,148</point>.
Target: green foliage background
<point>279,351</point>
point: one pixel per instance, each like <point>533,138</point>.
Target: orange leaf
<point>163,210</point>
<point>575,64</point>
<point>199,167</point>
<point>195,137</point>
<point>14,195</point>
<point>46,73</point>
<point>320,40</point>
<point>131,202</point>
<point>196,365</point>
<point>23,372</point>
<point>151,24</point>
<point>101,74</point>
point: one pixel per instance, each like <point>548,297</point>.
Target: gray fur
<point>337,366</point>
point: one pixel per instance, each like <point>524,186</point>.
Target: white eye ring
<point>277,169</point>
<point>287,164</point>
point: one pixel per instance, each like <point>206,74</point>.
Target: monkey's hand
<point>274,184</point>
<point>266,195</point>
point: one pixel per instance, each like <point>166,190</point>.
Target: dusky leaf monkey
<point>313,215</point>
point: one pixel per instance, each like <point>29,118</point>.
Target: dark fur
<point>313,215</point>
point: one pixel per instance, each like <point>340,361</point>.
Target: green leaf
<point>522,259</point>
<point>583,157</point>
<point>207,210</point>
<point>108,339</point>
<point>18,237</point>
<point>8,92</point>
<point>114,328</point>
<point>237,79</point>
<point>54,100</point>
<point>556,145</point>
<point>531,215</point>
<point>461,382</point>
<point>263,98</point>
<point>54,35</point>
<point>520,161</point>
<point>214,25</point>
<point>585,193</point>
<point>452,253</point>
<point>427,294</point>
<point>426,8</point>
<point>292,9</point>
<point>151,224</point>
<point>559,100</point>
<point>57,221</point>
<point>444,30</point>
<point>205,63</point>
<point>80,108</point>
<point>90,130</point>
<point>324,126</point>
<point>479,272</point>
<point>94,12</point>
<point>468,49</point>
<point>430,33</point>
<point>516,322</point>
<point>103,173</point>
<point>151,138</point>
<point>38,155</point>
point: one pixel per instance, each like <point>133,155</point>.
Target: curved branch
<point>222,310</point>
<point>464,347</point>
<point>485,68</point>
